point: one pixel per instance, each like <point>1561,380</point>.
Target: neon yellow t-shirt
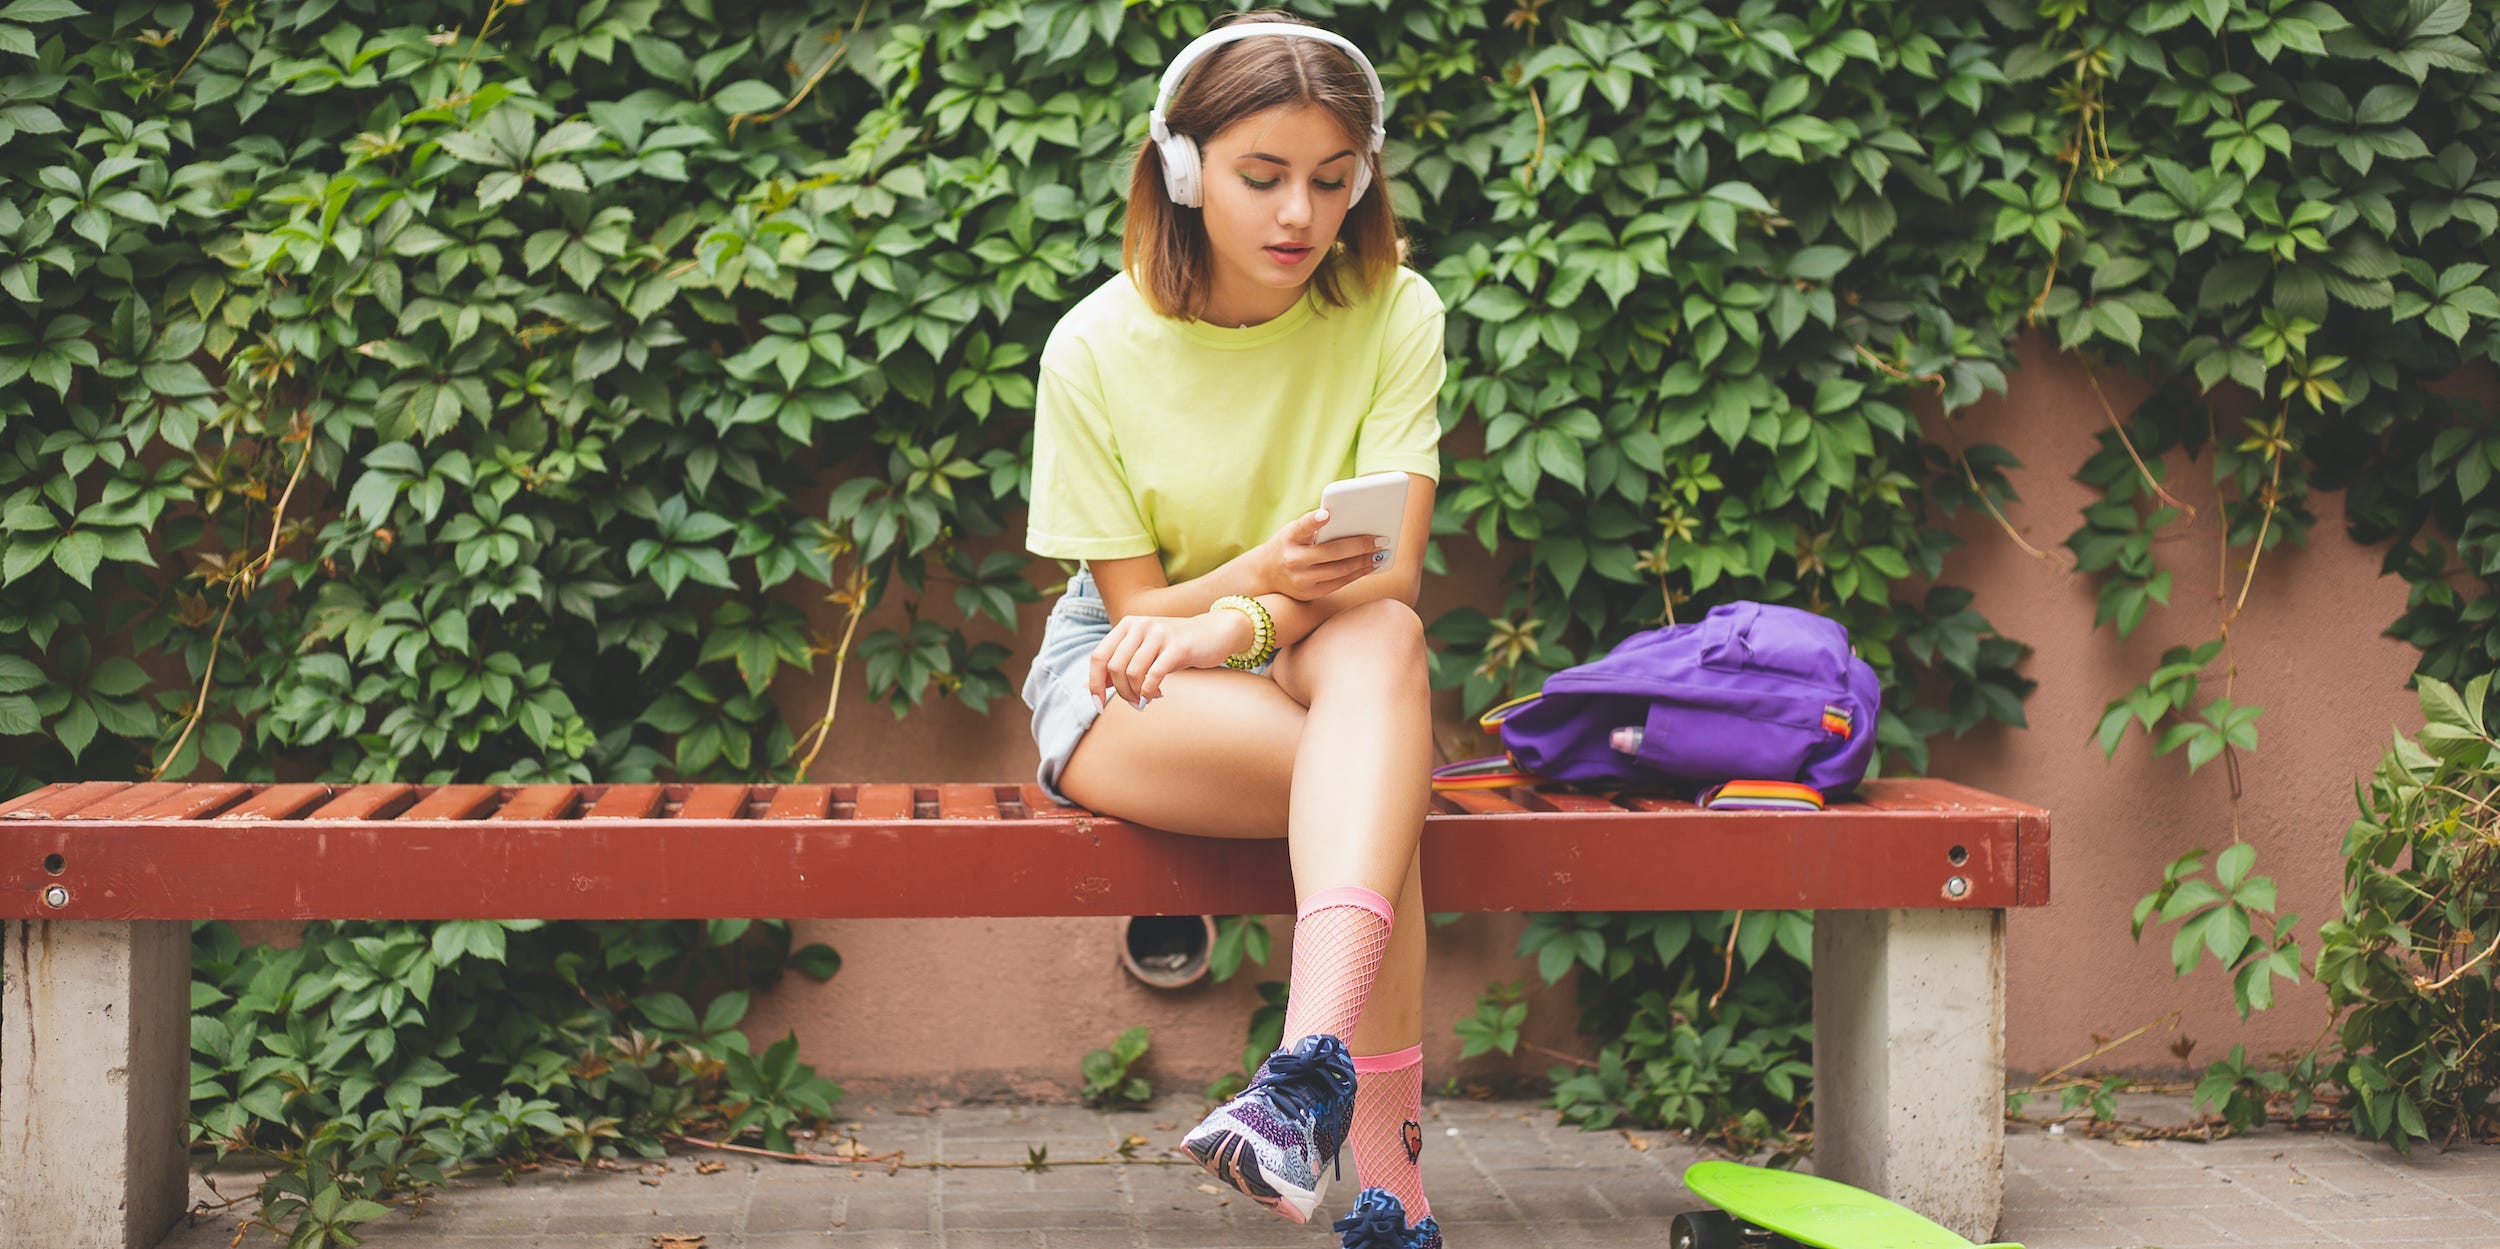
<point>1180,438</point>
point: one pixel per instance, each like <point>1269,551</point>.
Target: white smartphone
<point>1371,505</point>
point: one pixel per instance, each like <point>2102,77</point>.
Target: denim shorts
<point>1055,688</point>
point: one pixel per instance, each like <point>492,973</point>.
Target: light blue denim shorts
<point>1055,688</point>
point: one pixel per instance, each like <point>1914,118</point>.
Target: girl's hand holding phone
<point>1140,651</point>
<point>1305,568</point>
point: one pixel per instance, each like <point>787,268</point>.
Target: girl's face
<point>1278,184</point>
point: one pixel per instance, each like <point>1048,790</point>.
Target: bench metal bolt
<point>56,897</point>
<point>1956,886</point>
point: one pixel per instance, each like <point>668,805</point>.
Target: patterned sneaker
<point>1379,1222</point>
<point>1275,1141</point>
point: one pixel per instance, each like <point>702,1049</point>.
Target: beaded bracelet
<point>1262,627</point>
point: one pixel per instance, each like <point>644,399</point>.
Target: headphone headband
<point>1213,39</point>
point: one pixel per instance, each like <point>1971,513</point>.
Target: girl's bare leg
<point>1334,751</point>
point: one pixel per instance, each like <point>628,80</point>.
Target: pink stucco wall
<point>965,1007</point>
<point>2309,649</point>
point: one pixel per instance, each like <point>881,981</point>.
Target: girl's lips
<point>1286,255</point>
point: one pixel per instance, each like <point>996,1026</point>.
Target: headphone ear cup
<point>1362,179</point>
<point>1180,170</point>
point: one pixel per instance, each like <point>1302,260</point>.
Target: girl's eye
<point>1257,185</point>
<point>1337,185</point>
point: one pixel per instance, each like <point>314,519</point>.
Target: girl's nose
<point>1295,211</point>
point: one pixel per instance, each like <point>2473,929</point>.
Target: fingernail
<point>1141,702</point>
<point>1380,544</point>
<point>1321,514</point>
<point>1378,556</point>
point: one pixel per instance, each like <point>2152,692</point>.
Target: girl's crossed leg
<point>1332,750</point>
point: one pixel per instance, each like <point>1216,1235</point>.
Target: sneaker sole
<point>1231,1157</point>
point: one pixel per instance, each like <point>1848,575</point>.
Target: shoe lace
<point>1372,1227</point>
<point>1305,1082</point>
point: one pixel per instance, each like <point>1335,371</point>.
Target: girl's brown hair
<point>1164,245</point>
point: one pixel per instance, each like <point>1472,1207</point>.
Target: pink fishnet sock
<point>1338,941</point>
<point>1388,1136</point>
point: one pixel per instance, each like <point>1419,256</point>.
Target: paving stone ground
<point>1500,1174</point>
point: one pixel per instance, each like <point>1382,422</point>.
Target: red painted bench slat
<point>368,802</point>
<point>46,803</point>
<point>1039,805</point>
<point>967,802</point>
<point>452,802</point>
<point>713,802</point>
<point>1560,800</point>
<point>800,802</point>
<point>1483,802</point>
<point>196,802</point>
<point>279,802</point>
<point>626,802</point>
<point>539,802</point>
<point>883,802</point>
<point>891,850</point>
<point>127,802</point>
<point>54,802</point>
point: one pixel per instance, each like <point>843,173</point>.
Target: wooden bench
<point>1913,880</point>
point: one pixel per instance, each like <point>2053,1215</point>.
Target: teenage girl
<point>1213,669</point>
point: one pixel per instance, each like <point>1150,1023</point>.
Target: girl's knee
<point>1386,630</point>
<point>1387,614</point>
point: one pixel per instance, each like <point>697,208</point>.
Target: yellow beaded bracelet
<point>1262,628</point>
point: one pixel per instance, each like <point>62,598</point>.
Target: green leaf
<point>724,1012</point>
<point>817,961</point>
<point>2116,320</point>
<point>667,1011</point>
<point>20,556</point>
<point>77,553</point>
<point>75,728</point>
<point>2441,706</point>
<point>18,674</point>
<point>1496,304</point>
<point>1818,264</point>
<point>747,96</point>
<point>18,717</point>
<point>2231,866</point>
<point>497,187</point>
<point>2232,282</point>
<point>118,677</point>
<point>32,11</point>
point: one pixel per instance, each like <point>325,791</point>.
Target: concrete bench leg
<point>95,1078</point>
<point>1909,1059</point>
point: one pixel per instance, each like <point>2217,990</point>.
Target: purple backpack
<point>1751,691</point>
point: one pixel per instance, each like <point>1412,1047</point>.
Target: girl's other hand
<point>1305,568</point>
<point>1140,651</point>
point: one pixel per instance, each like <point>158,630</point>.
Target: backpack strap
<point>1488,772</point>
<point>1492,719</point>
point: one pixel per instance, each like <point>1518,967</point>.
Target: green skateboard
<point>1762,1209</point>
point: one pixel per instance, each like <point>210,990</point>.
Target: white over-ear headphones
<point>1183,178</point>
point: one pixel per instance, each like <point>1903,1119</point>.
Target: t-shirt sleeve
<point>1402,431</point>
<point>1082,508</point>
